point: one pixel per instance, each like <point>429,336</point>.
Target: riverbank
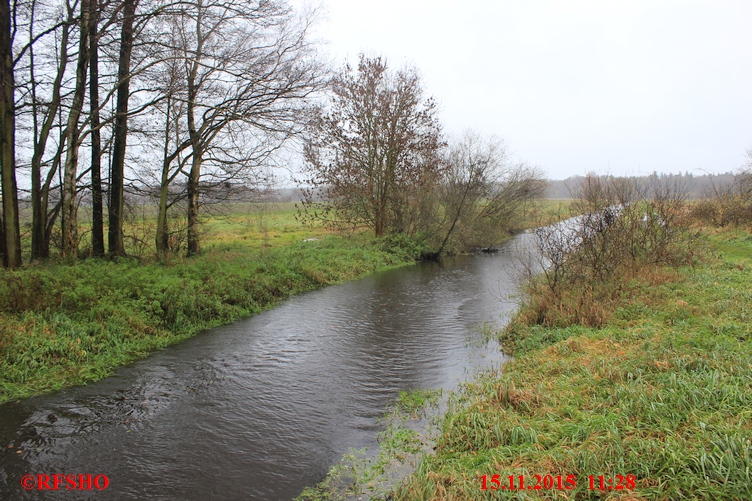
<point>655,404</point>
<point>63,325</point>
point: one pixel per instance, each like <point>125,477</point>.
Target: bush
<point>578,267</point>
<point>729,204</point>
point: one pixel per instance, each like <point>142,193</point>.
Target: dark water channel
<point>263,407</point>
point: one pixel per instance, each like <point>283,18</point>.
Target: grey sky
<point>624,87</point>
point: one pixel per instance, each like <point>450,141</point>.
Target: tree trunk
<point>378,227</point>
<point>11,227</point>
<point>161,237</point>
<point>97,209</point>
<point>196,140</point>
<point>193,197</point>
<point>40,242</point>
<point>70,222</point>
<point>37,227</point>
<point>117,172</point>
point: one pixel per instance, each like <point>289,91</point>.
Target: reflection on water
<point>260,408</point>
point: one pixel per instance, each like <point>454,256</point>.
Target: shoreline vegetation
<point>64,324</point>
<point>661,391</point>
<point>68,323</point>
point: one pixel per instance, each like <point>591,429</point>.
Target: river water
<point>259,409</point>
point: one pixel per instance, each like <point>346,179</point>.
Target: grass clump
<point>414,402</point>
<point>662,390</point>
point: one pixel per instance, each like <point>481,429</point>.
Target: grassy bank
<point>63,324</point>
<point>662,391</point>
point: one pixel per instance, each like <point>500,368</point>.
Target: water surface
<point>261,408</point>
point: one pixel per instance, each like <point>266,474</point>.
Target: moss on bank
<point>63,325</point>
<point>663,391</point>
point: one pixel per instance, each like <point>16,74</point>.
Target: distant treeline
<point>695,186</point>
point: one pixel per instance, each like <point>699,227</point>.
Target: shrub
<point>729,204</point>
<point>578,267</point>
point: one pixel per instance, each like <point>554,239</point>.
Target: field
<point>238,226</point>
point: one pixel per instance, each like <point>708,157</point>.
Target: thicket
<point>575,269</point>
<point>727,204</point>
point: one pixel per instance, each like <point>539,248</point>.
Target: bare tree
<point>73,137</point>
<point>97,209</point>
<point>173,146</point>
<point>49,99</point>
<point>247,68</point>
<point>481,192</point>
<point>45,99</point>
<point>115,207</point>
<point>375,146</point>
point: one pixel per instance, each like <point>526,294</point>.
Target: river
<point>259,409</point>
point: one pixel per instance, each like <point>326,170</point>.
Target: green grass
<point>663,392</point>
<point>67,324</point>
<point>240,226</point>
<point>414,402</point>
<point>546,211</point>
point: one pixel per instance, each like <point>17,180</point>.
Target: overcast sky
<point>620,87</point>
